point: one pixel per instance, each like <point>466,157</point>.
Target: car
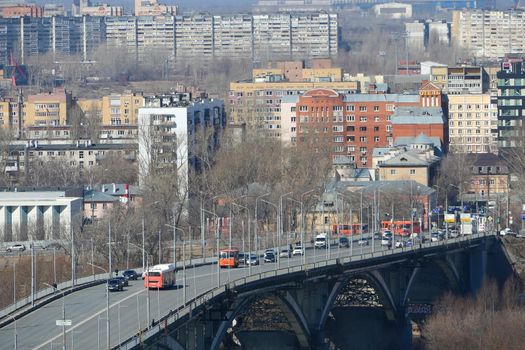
<point>408,243</point>
<point>114,285</point>
<point>253,259</point>
<point>269,258</point>
<point>434,237</point>
<point>362,242</point>
<point>399,244</point>
<point>122,280</point>
<point>344,242</point>
<point>130,275</point>
<point>386,242</point>
<point>298,250</point>
<point>507,232</point>
<point>285,253</point>
<point>144,274</point>
<point>242,258</point>
<point>270,251</point>
<point>453,233</point>
<point>16,248</point>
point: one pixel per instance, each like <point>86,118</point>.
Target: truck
<point>321,241</point>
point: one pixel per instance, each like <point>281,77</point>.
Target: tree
<point>454,175</point>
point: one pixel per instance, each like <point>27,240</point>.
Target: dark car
<point>269,257</point>
<point>344,242</point>
<point>122,280</point>
<point>130,275</point>
<point>115,285</point>
<point>242,258</point>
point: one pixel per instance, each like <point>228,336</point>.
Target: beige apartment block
<point>489,33</point>
<point>49,109</point>
<point>472,119</point>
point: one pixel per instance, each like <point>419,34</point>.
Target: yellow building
<point>258,103</point>
<point>471,119</point>
<point>49,109</point>
<point>121,109</point>
<point>5,113</point>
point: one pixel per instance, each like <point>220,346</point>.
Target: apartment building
<point>47,109</point>
<point>292,5</point>
<point>21,11</point>
<point>511,99</point>
<point>29,36</point>
<point>394,10</point>
<point>155,37</point>
<point>439,32</point>
<point>232,36</point>
<point>257,102</point>
<point>153,8</point>
<point>102,10</point>
<point>80,154</point>
<point>121,109</point>
<point>415,32</point>
<point>472,123</point>
<point>352,125</point>
<point>489,34</point>
<point>194,36</point>
<point>169,128</point>
<point>460,80</point>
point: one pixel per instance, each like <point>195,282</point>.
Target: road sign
<point>450,218</point>
<point>63,322</point>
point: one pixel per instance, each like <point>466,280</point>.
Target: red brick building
<point>21,11</point>
<point>352,125</point>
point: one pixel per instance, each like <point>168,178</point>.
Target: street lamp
<point>16,334</point>
<point>183,258</point>
<point>63,313</point>
<point>257,223</point>
<point>108,343</point>
<point>248,215</point>
<point>217,237</point>
<point>277,227</point>
<point>303,226</point>
<point>145,275</point>
<point>281,224</point>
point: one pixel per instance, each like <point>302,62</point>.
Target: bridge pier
<point>478,267</point>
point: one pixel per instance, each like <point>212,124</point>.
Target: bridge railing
<point>193,304</point>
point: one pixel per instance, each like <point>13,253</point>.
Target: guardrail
<point>216,291</point>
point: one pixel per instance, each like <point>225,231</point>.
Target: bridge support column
<point>478,267</point>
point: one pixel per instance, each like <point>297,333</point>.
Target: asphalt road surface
<point>87,308</point>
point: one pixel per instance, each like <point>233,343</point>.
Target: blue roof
<point>96,196</point>
<point>418,115</point>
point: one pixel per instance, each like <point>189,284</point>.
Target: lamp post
<point>303,245</point>
<point>147,289</point>
<point>217,237</point>
<point>63,313</point>
<point>248,215</point>
<point>281,224</point>
<point>175,228</point>
<point>108,340</point>
<point>16,334</point>
<point>256,219</point>
<point>277,213</point>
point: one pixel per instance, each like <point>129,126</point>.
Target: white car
<point>298,250</point>
<point>16,248</point>
<point>399,244</point>
<point>362,241</point>
<point>385,241</point>
<point>285,253</point>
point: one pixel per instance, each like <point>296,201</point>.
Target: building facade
<point>511,99</point>
<point>489,33</point>
<point>169,129</point>
<point>28,216</point>
<point>472,123</point>
<point>351,125</point>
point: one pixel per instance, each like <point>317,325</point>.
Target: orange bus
<point>160,276</point>
<point>229,258</point>
<point>401,227</point>
<point>346,229</point>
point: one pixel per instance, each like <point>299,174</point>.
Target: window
<point>293,109</point>
<point>362,108</point>
<point>376,108</point>
<point>350,128</point>
<point>376,128</point>
<point>362,139</point>
<point>350,108</point>
<point>350,148</point>
<point>362,119</point>
<point>337,108</point>
<point>377,119</point>
<point>104,205</point>
<point>362,128</point>
<point>390,108</point>
<point>376,138</point>
<point>362,149</point>
<point>392,171</point>
<point>338,138</point>
<point>350,138</point>
<point>303,108</point>
<point>412,171</point>
<point>350,118</point>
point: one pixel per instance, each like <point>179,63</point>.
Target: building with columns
<point>39,215</point>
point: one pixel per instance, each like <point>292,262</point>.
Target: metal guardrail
<point>193,304</point>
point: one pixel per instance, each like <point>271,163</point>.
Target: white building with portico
<point>35,215</point>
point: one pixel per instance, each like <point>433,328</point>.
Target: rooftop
<point>418,115</point>
<point>381,98</point>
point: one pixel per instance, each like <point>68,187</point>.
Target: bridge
<point>299,303</point>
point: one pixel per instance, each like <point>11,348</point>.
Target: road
<point>87,308</point>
